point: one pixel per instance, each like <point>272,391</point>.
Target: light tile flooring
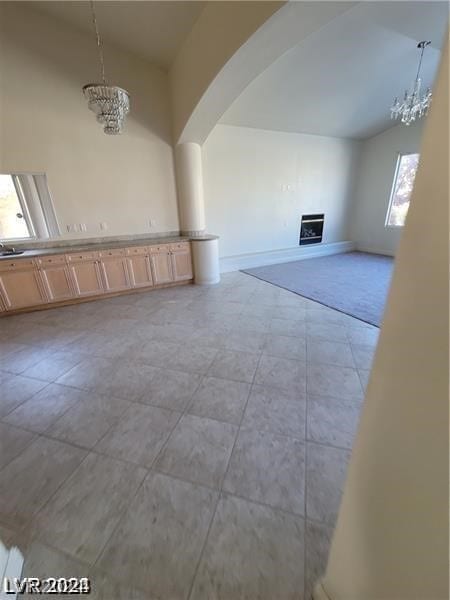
<point>181,443</point>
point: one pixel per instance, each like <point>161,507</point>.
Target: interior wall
<point>391,539</point>
<point>218,33</point>
<point>373,187</point>
<point>258,183</point>
<point>123,180</point>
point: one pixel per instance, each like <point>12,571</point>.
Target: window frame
<point>36,205</point>
<point>25,211</point>
<point>400,155</point>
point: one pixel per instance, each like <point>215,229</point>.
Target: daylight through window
<point>13,224</point>
<point>402,187</point>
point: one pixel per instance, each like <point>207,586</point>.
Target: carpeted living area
<point>355,283</point>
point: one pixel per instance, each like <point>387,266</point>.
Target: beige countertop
<point>94,246</point>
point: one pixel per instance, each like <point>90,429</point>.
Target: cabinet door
<point>181,265</point>
<point>57,283</point>
<point>86,278</point>
<point>161,267</point>
<point>140,271</point>
<point>21,288</point>
<point>115,274</point>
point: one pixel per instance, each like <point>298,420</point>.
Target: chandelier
<point>415,104</point>
<point>110,103</point>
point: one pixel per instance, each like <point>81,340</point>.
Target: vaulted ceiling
<point>342,79</point>
<point>153,30</point>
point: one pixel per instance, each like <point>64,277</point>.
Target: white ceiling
<point>342,79</point>
<point>153,30</point>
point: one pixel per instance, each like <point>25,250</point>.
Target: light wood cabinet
<point>181,262</point>
<point>113,266</point>
<point>20,285</point>
<point>56,278</point>
<point>139,268</point>
<point>161,263</point>
<point>85,274</point>
<point>53,279</point>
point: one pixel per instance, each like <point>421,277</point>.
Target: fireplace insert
<point>311,229</point>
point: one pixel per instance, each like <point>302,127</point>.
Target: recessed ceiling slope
<point>342,79</point>
<point>153,30</point>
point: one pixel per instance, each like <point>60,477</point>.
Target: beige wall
<point>373,187</point>
<point>218,33</point>
<point>46,127</point>
<point>246,174</point>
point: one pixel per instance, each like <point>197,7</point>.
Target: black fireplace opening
<point>311,229</point>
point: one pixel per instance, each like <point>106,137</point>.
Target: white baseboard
<point>261,259</point>
<point>371,250</point>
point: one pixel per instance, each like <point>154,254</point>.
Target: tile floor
<point>181,443</point>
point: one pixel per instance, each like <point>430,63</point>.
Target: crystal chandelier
<point>110,103</point>
<point>414,105</point>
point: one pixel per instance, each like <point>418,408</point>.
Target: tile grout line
<point>220,490</point>
<point>149,470</point>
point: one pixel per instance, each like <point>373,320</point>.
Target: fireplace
<point>311,229</point>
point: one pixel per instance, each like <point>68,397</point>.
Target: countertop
<point>95,246</point>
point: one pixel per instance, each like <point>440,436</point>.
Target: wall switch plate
<point>152,222</point>
<point>82,227</point>
<point>103,225</point>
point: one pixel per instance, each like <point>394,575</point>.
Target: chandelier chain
<point>99,42</point>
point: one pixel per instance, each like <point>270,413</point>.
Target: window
<point>13,224</point>
<point>402,187</point>
<point>26,210</point>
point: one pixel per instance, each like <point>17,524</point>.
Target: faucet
<point>6,249</point>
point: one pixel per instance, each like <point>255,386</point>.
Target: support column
<point>391,538</point>
<point>191,210</point>
<point>191,205</point>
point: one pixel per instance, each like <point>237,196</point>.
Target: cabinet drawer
<point>158,249</point>
<point>137,251</point>
<point>179,246</point>
<point>12,265</point>
<point>82,256</point>
<point>116,252</point>
<point>51,260</point>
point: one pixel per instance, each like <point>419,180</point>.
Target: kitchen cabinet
<point>139,268</point>
<point>161,265</point>
<point>20,285</point>
<point>53,279</point>
<point>180,256</point>
<point>113,266</point>
<point>85,274</point>
<point>56,279</point>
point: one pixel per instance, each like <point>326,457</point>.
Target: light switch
<point>103,225</point>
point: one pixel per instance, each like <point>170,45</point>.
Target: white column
<point>391,538</point>
<point>205,255</point>
<point>191,206</point>
<point>191,209</point>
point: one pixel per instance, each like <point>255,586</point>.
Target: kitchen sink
<point>11,252</point>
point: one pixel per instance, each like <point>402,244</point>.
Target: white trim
<point>260,259</point>
<point>372,250</point>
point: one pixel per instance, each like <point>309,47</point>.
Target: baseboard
<point>372,250</point>
<point>261,259</point>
